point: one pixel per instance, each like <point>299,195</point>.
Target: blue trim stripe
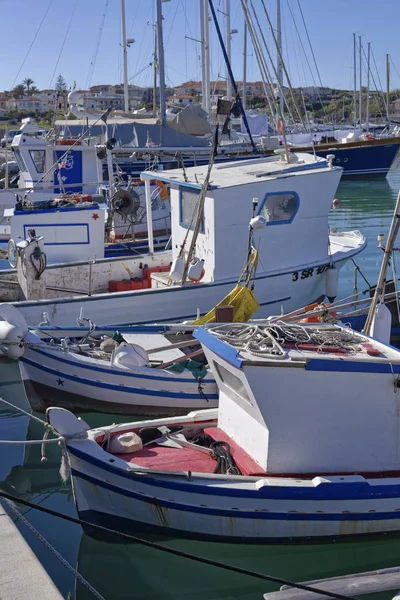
<point>61,224</point>
<point>323,491</point>
<point>155,377</point>
<point>119,388</point>
<point>239,514</point>
<point>41,211</point>
<point>350,366</point>
<point>225,351</point>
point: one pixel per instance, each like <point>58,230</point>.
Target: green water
<point>133,571</point>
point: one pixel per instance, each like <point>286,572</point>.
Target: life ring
<point>12,253</point>
<point>163,190</point>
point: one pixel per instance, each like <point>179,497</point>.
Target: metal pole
<point>228,64</point>
<point>206,57</point>
<point>155,65</point>
<point>6,159</point>
<point>355,80</point>
<point>279,54</point>
<point>161,62</point>
<point>149,215</point>
<point>244,98</point>
<point>203,58</point>
<point>368,60</point>
<point>125,57</point>
<point>360,96</point>
<point>387,85</point>
<point>380,286</point>
<point>228,46</point>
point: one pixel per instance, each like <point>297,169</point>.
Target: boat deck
<point>165,458</point>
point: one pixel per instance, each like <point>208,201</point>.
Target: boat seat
<point>246,464</point>
<point>165,458</point>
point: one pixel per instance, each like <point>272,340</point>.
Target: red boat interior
<point>165,458</point>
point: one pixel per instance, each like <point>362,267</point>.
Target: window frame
<point>285,193</point>
<point>181,222</point>
<point>34,161</point>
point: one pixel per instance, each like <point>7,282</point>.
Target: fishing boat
<point>288,204</point>
<point>285,457</point>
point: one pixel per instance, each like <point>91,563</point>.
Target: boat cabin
<point>307,399</point>
<point>292,200</point>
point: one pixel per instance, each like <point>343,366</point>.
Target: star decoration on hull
<point>95,216</point>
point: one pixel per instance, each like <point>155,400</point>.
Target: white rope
<point>54,551</point>
<point>32,442</point>
<point>25,412</point>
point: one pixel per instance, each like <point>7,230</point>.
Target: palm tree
<point>18,91</point>
<point>28,84</point>
<point>32,90</point>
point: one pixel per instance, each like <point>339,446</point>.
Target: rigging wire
<point>96,46</point>
<point>33,41</point>
<point>63,43</point>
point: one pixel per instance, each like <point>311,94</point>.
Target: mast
<point>360,96</point>
<point>125,57</point>
<point>203,61</point>
<point>206,44</point>
<point>279,69</point>
<point>355,81</point>
<point>228,46</point>
<point>161,62</point>
<point>244,98</point>
<point>387,86</point>
<point>155,66</point>
<point>368,61</point>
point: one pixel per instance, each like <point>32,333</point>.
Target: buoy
<point>125,443</point>
<point>129,355</point>
<point>176,270</point>
<point>332,283</point>
<point>381,323</point>
<point>11,338</point>
<point>335,202</point>
<point>196,271</point>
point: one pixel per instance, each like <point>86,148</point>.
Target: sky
<point>81,39</point>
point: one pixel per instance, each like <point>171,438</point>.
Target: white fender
<point>9,313</point>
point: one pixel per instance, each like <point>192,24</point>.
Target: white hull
<point>53,377</point>
<point>273,291</point>
<point>256,509</point>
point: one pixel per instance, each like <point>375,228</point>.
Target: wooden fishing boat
<point>303,446</point>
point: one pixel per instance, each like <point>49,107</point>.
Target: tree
<point>18,91</point>
<point>27,83</point>
<point>32,90</point>
<point>61,84</point>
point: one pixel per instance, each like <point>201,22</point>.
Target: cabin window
<point>189,209</point>
<point>39,158</point>
<point>20,160</point>
<point>232,382</point>
<point>279,208</point>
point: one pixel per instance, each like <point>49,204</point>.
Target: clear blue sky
<point>91,57</point>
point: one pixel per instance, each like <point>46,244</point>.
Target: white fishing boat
<point>158,370</point>
<point>303,446</point>
<point>299,258</point>
<point>64,197</point>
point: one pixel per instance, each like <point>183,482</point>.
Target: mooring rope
<point>180,553</point>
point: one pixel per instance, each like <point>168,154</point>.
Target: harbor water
<point>120,571</point>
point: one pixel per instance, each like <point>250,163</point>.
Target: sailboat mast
<point>203,60</point>
<point>228,46</point>
<point>360,67</point>
<point>368,62</point>
<point>206,45</point>
<point>155,67</point>
<point>161,63</point>
<point>387,85</point>
<point>355,81</point>
<point>244,96</point>
<point>279,69</point>
<point>125,57</point>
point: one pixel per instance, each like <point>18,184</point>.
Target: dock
<point>22,577</point>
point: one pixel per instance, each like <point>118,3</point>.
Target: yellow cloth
<point>244,306</point>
